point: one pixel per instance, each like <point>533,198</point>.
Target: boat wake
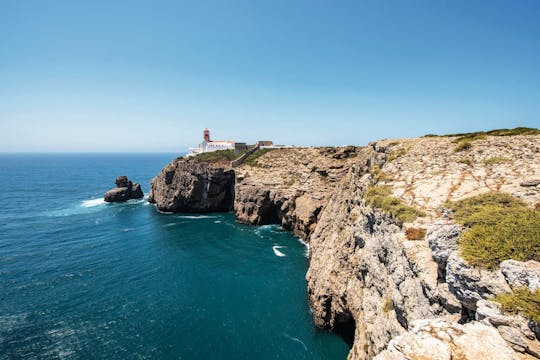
<point>296,340</point>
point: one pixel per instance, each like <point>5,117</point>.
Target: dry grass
<point>495,160</point>
<point>413,233</point>
<point>465,161</point>
<point>395,154</point>
<point>463,146</point>
<point>388,305</point>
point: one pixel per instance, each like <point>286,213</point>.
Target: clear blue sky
<point>150,75</point>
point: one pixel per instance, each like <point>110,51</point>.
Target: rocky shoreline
<point>389,296</point>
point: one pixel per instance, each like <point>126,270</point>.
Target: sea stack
<point>125,190</point>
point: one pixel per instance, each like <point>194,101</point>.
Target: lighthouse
<point>208,145</point>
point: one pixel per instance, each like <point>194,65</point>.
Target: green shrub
<point>388,305</point>
<point>495,160</point>
<point>396,154</point>
<point>499,227</point>
<point>378,174</point>
<point>469,138</point>
<point>465,161</point>
<point>251,160</point>
<point>521,301</point>
<point>462,146</point>
<point>381,198</point>
<point>218,156</point>
<point>496,132</point>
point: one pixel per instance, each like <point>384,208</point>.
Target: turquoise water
<point>84,279</point>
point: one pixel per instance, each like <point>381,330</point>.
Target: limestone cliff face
<point>383,293</point>
<point>290,187</point>
<point>365,279</point>
<point>188,186</point>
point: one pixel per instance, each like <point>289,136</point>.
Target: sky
<point>149,76</point>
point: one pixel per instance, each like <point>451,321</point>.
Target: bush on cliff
<point>218,156</point>
<point>381,198</point>
<point>499,227</point>
<point>482,134</point>
<point>522,301</point>
<point>251,160</point>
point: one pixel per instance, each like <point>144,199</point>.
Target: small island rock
<point>125,190</point>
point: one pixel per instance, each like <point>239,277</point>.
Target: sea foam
<point>276,251</point>
<point>92,202</point>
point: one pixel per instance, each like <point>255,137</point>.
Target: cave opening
<point>271,214</point>
<point>345,326</point>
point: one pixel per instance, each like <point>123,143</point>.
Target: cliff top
<point>427,172</point>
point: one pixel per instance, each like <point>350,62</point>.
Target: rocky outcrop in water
<point>189,186</point>
<point>125,190</point>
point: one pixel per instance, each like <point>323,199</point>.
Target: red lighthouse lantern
<point>206,135</point>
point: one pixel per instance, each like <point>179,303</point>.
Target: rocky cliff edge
<point>389,296</point>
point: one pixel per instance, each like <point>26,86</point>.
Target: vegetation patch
<point>463,146</point>
<point>251,160</point>
<point>378,174</point>
<point>465,161</point>
<point>381,198</point>
<point>498,132</point>
<point>496,160</point>
<point>413,233</point>
<point>469,138</point>
<point>388,305</point>
<point>499,227</point>
<point>396,154</point>
<point>521,301</point>
<point>218,156</point>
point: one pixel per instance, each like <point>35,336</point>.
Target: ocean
<point>81,279</point>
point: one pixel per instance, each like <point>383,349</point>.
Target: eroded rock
<point>125,190</point>
<point>189,186</point>
<point>440,340</point>
<point>519,273</point>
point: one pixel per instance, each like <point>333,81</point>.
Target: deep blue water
<point>84,279</point>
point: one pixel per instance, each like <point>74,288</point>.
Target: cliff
<point>190,186</point>
<point>390,294</point>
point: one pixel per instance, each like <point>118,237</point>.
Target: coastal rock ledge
<point>391,294</point>
<point>125,190</point>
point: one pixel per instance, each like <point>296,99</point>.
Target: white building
<point>208,145</point>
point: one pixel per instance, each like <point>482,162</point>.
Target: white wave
<point>308,247</point>
<point>297,340</point>
<point>276,251</point>
<point>128,229</point>
<point>169,225</point>
<point>196,217</point>
<point>92,202</point>
<point>217,222</point>
<point>135,201</point>
<point>164,212</point>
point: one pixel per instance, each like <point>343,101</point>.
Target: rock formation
<point>388,296</point>
<point>125,190</point>
<point>188,186</point>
